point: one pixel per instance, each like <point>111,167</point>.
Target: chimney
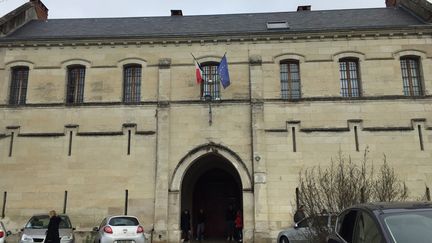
<point>304,8</point>
<point>176,12</point>
<point>41,9</point>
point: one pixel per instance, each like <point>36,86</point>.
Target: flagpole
<point>194,58</point>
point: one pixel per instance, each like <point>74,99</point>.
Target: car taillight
<point>1,234</point>
<point>140,229</point>
<point>108,230</point>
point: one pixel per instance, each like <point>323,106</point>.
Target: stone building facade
<point>107,114</point>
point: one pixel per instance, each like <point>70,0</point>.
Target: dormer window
<point>275,25</point>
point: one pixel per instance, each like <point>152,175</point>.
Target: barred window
<point>211,82</point>
<point>18,88</point>
<point>132,83</point>
<point>75,84</point>
<point>349,77</point>
<point>290,79</point>
<point>412,81</point>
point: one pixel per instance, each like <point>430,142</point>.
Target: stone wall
<point>251,120</point>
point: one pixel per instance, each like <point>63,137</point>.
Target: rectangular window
<point>75,86</point>
<point>132,84</point>
<point>211,82</point>
<point>412,85</point>
<point>290,80</point>
<point>18,88</point>
<point>349,77</point>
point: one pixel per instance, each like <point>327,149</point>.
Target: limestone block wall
<point>322,129</point>
<point>189,128</point>
<point>88,159</point>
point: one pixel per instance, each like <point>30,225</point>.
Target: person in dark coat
<point>200,225</point>
<point>300,214</point>
<point>185,225</point>
<point>229,220</point>
<point>52,234</point>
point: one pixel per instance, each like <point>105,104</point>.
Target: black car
<point>406,222</point>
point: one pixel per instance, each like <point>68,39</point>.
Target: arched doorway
<point>211,183</point>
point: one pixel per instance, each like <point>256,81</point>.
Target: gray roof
<point>214,25</point>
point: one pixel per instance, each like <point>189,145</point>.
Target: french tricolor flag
<point>198,72</point>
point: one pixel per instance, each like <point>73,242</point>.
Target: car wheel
<point>283,240</point>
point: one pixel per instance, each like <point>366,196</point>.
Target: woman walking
<point>52,234</point>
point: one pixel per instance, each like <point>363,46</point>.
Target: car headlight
<point>25,237</point>
<point>67,237</point>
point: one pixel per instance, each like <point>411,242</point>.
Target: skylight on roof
<point>274,25</point>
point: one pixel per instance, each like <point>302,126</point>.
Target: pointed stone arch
<point>203,150</point>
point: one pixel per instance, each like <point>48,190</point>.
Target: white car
<point>120,229</point>
<point>3,233</point>
<point>36,228</point>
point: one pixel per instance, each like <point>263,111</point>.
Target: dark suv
<point>384,223</point>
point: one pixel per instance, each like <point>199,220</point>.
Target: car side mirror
<point>96,229</point>
<point>296,226</point>
<point>8,233</point>
<point>22,229</point>
<point>73,228</point>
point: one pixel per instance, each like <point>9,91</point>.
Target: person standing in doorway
<point>200,225</point>
<point>185,225</point>
<point>52,234</point>
<point>239,226</point>
<point>229,218</point>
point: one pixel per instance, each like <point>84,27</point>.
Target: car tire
<point>283,240</point>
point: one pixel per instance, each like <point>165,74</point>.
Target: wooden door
<point>214,192</point>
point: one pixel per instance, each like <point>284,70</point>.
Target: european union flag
<point>223,72</point>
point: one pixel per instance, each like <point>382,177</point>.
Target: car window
<point>410,227</point>
<point>303,223</point>
<point>38,222</point>
<point>366,230</point>
<point>345,225</point>
<point>41,222</point>
<point>321,220</point>
<point>103,223</point>
<point>65,222</point>
<point>123,221</point>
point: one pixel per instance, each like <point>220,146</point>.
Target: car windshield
<point>318,220</point>
<point>41,222</point>
<point>410,227</point>
<point>123,221</point>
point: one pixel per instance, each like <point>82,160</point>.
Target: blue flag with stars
<point>223,72</point>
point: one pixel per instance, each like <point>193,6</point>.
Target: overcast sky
<point>132,8</point>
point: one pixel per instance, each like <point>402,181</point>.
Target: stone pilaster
<point>162,153</point>
<point>164,87</point>
<point>259,150</point>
